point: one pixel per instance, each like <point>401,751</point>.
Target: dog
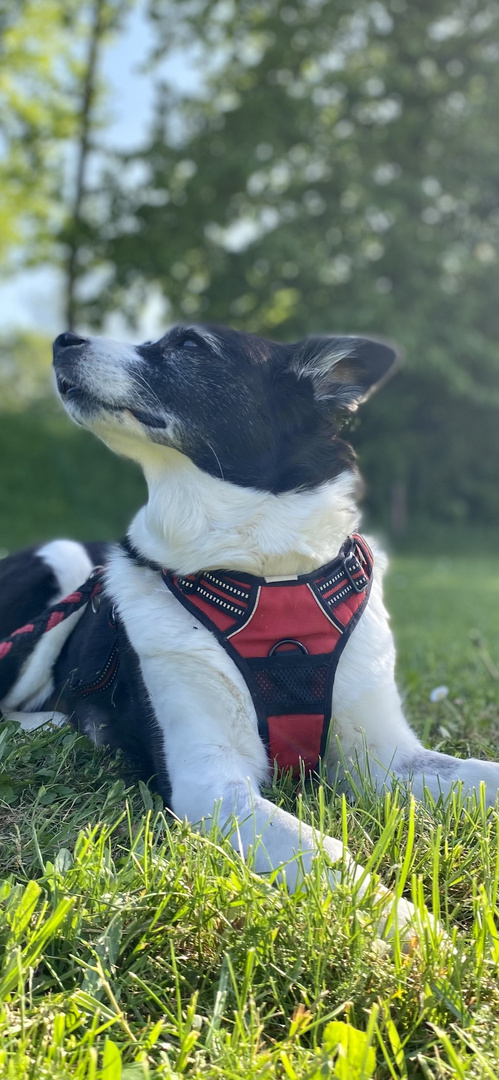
<point>252,504</point>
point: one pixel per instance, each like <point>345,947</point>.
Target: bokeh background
<point>284,167</point>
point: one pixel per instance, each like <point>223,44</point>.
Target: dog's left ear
<point>346,370</point>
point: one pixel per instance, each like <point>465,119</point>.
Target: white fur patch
<point>113,354</point>
<point>71,566</point>
<point>193,520</point>
<point>319,364</point>
<point>35,684</point>
<point>103,370</point>
<point>69,562</point>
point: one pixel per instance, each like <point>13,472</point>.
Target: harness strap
<point>15,649</point>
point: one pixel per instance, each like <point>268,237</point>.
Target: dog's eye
<point>190,342</point>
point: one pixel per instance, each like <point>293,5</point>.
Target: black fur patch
<point>119,715</point>
<point>27,587</point>
<point>254,412</point>
<point>248,410</point>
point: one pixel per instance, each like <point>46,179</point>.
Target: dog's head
<point>251,411</point>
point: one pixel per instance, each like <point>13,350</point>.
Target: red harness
<point>286,636</point>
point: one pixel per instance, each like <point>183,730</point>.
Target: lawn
<point>133,948</point>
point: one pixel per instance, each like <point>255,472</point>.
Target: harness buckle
<point>351,566</point>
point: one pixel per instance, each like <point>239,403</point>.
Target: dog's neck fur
<point>193,521</point>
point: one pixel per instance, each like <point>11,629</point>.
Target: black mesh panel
<point>291,684</point>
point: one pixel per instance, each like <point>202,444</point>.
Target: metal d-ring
<point>95,602</point>
<point>288,641</point>
<point>97,570</point>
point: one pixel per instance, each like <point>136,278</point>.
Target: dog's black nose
<point>67,339</point>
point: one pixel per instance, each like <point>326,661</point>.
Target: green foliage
<point>38,114</point>
<point>353,145</point>
<point>132,947</point>
<point>43,46</point>
<point>333,170</point>
<point>443,447</point>
<point>61,482</point>
<point>25,372</point>
<point>336,171</point>
<point>57,479</point>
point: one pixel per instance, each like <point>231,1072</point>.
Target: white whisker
<point>217,459</point>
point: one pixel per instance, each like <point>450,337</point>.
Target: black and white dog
<point>239,441</point>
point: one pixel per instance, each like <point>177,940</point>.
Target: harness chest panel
<point>286,637</point>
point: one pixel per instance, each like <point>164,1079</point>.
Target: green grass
<point>133,948</point>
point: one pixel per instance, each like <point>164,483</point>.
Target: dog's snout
<point>64,341</point>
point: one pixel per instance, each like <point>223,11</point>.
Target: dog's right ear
<point>345,370</point>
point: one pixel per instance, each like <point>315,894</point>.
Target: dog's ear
<point>346,370</point>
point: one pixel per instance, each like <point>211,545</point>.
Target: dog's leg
<point>370,735</point>
<point>212,782</point>
<point>439,773</point>
<point>213,755</point>
<point>216,762</point>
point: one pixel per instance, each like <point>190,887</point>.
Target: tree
<point>37,116</point>
<point>335,171</point>
<point>49,97</point>
<point>339,167</point>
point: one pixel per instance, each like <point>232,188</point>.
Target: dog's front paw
<point>398,917</point>
<point>392,915</point>
<point>473,773</point>
<point>440,774</point>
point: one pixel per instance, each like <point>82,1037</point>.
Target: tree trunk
<point>97,28</point>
